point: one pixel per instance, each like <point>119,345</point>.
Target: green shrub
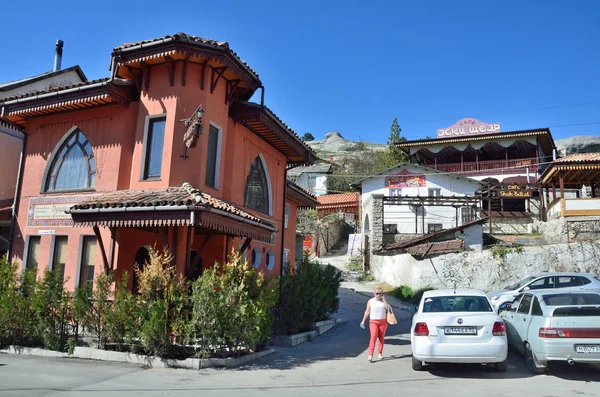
<point>309,294</point>
<point>404,293</point>
<point>52,306</point>
<point>122,321</point>
<point>231,309</point>
<point>17,320</point>
<point>355,265</point>
<point>92,306</point>
<point>366,277</point>
<point>163,296</point>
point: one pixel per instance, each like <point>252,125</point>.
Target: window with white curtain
<point>73,165</point>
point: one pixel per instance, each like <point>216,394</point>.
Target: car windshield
<point>456,303</point>
<point>571,299</point>
<point>520,283</point>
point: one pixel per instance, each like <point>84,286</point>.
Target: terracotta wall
<point>108,130</point>
<point>116,134</point>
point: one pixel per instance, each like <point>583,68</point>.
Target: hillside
<point>337,146</point>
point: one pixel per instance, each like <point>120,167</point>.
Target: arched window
<point>72,165</point>
<point>257,195</point>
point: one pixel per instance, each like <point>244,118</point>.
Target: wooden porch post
<point>456,215</point>
<point>102,250</point>
<point>593,186</point>
<point>547,196</point>
<point>462,161</point>
<point>477,160</point>
<point>417,220</point>
<point>561,182</point>
<point>506,156</point>
<point>553,192</point>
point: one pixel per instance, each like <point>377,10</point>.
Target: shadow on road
<point>347,340</point>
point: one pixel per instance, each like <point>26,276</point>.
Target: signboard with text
<point>466,127</point>
<point>515,191</point>
<point>49,211</point>
<point>405,179</point>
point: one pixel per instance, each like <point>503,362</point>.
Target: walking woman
<point>377,309</point>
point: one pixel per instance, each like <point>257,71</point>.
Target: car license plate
<point>460,330</point>
<point>587,348</point>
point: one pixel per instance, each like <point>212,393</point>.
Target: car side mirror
<point>504,307</point>
<point>525,289</point>
<point>412,309</point>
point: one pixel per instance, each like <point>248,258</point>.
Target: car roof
<point>553,291</point>
<point>564,274</point>
<point>450,292</point>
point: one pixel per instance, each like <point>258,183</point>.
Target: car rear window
<point>571,299</point>
<point>456,303</point>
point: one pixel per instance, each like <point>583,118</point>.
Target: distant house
<point>313,178</point>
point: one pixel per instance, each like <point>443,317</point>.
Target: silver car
<point>571,281</point>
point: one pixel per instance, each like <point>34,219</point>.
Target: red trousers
<point>377,328</point>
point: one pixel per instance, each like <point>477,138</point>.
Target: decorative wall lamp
<point>193,130</point>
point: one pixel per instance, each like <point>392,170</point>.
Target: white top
<point>378,311</point>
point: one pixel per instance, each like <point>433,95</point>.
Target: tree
<point>307,137</point>
<point>392,156</point>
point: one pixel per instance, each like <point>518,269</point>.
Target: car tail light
<point>421,329</point>
<point>569,333</point>
<point>499,329</point>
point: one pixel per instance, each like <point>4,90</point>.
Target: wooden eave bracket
<point>230,89</point>
<point>146,75</point>
<point>214,80</point>
<point>185,66</point>
<point>245,245</point>
<point>102,250</point>
<point>171,69</point>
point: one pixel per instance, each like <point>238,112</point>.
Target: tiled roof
<point>579,158</point>
<point>425,238</point>
<point>317,168</point>
<point>338,199</point>
<point>439,248</point>
<point>194,39</point>
<point>55,89</point>
<point>184,195</point>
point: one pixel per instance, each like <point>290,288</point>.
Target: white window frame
<point>218,157</point>
<point>145,143</point>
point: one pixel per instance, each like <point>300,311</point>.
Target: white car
<point>572,281</point>
<point>555,325</point>
<point>458,326</point>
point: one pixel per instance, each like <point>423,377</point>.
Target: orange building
<point>166,151</point>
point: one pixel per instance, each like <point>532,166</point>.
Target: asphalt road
<point>334,364</point>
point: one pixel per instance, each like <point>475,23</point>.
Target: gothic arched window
<point>257,187</point>
<point>72,165</point>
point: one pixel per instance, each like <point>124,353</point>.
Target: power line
<point>505,112</point>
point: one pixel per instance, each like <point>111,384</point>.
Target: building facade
<point>165,152</point>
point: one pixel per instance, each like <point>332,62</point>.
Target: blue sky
<point>352,66</point>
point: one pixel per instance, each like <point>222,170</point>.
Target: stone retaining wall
<point>488,269</point>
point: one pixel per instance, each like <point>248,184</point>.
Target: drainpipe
<point>282,232</point>
<point>15,206</point>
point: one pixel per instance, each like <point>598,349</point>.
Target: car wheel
<point>533,365</point>
<point>502,366</point>
<point>417,365</point>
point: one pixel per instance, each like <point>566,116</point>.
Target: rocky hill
<point>578,144</point>
<point>337,146</point>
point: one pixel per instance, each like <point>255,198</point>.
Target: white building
<point>312,178</point>
<point>418,200</point>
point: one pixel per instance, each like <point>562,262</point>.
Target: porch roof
<point>18,109</point>
<point>577,169</point>
<point>173,206</point>
<point>301,196</point>
<point>264,123</point>
<point>341,200</point>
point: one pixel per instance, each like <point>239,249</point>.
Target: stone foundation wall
<point>584,229</point>
<point>511,226</point>
<point>488,269</point>
<point>396,238</point>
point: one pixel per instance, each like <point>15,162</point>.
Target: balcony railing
<point>474,167</point>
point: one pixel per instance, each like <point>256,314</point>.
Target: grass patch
<point>355,266</point>
<point>366,277</point>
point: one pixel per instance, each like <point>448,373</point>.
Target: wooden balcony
<point>491,166</point>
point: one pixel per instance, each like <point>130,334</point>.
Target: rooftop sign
<point>468,126</point>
